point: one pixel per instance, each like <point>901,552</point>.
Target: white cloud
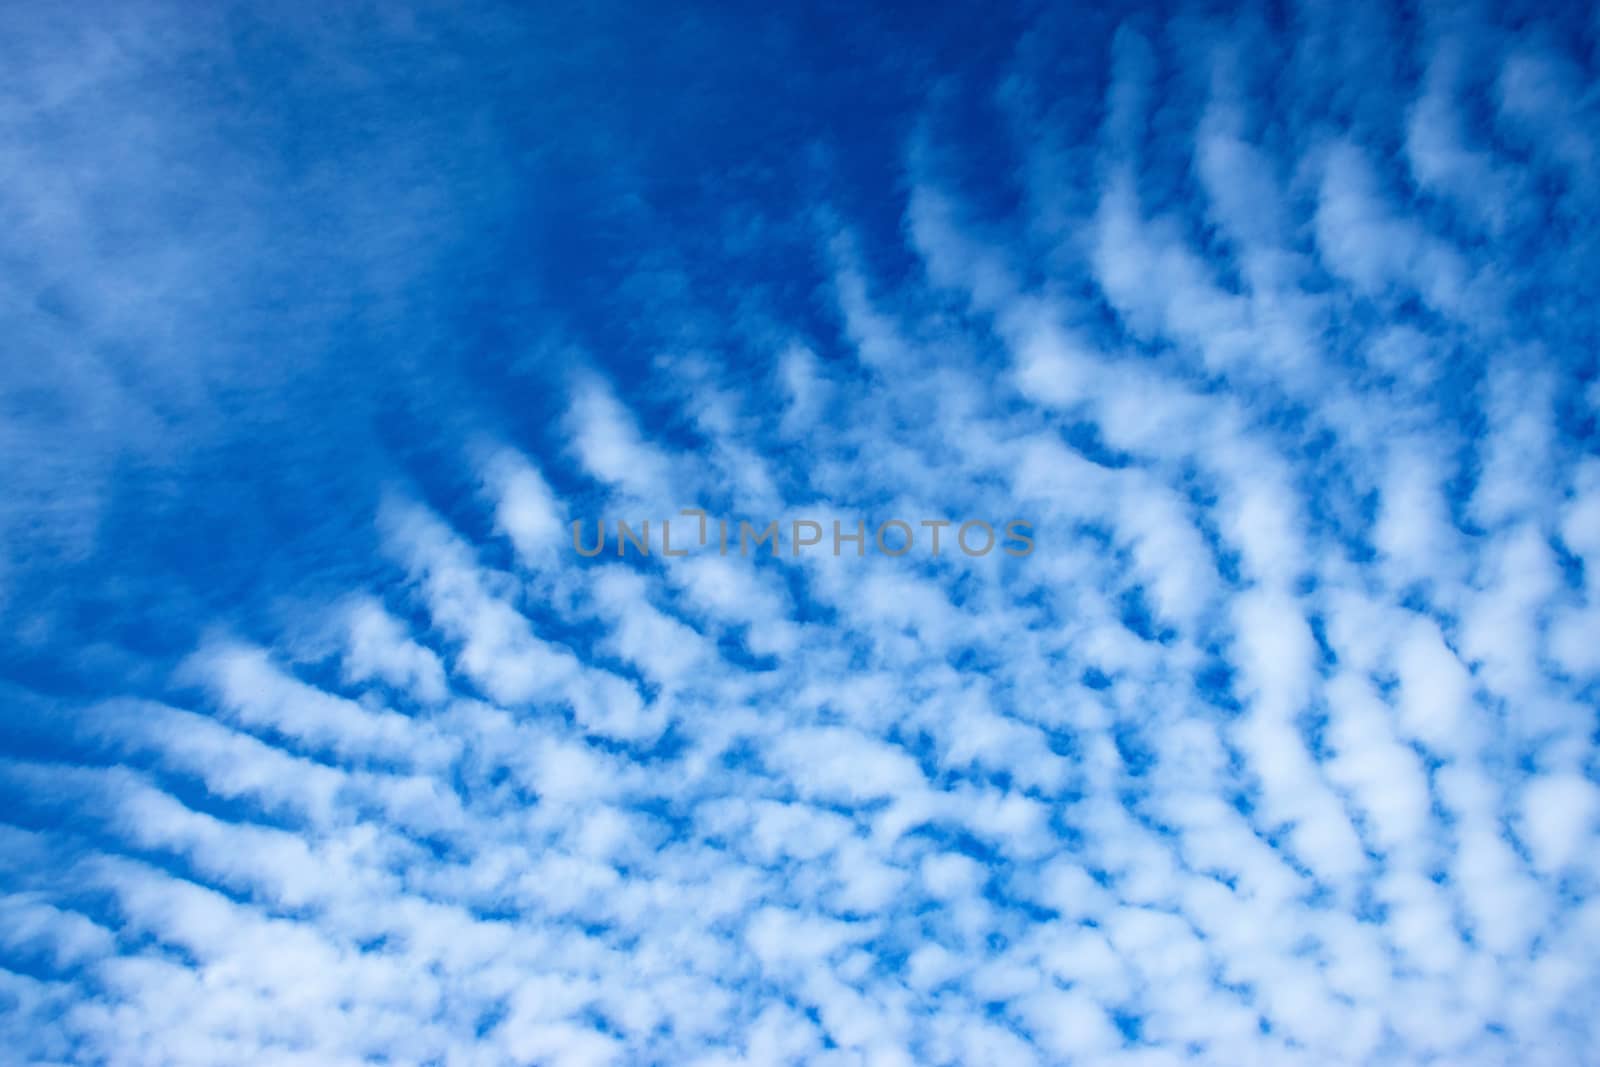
<point>1278,749</point>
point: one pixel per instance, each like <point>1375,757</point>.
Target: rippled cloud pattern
<point>322,745</point>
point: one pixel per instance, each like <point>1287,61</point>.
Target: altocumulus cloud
<point>322,745</point>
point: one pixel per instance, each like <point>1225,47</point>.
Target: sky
<point>322,744</point>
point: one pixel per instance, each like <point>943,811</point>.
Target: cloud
<point>1278,748</point>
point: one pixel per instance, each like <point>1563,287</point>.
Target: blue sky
<point>321,744</point>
